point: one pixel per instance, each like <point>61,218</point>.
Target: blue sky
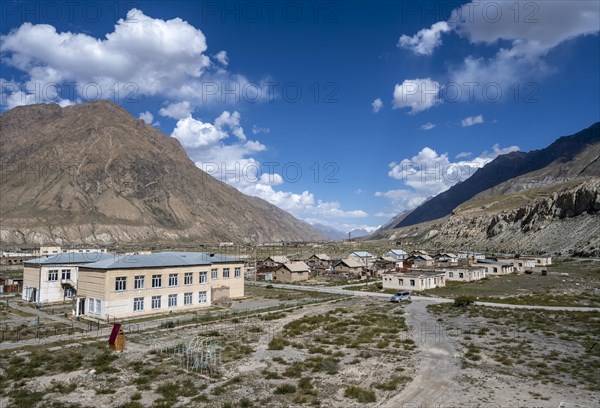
<point>341,112</point>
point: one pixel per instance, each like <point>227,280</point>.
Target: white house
<point>446,257</point>
<point>363,256</point>
<point>467,274</point>
<point>54,278</point>
<point>496,267</point>
<point>414,280</point>
<point>396,254</point>
<point>472,255</point>
<point>520,264</point>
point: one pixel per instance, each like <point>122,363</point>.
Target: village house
<point>163,282</point>
<point>317,260</point>
<point>292,272</point>
<point>54,278</point>
<point>471,255</point>
<point>420,261</point>
<point>496,267</point>
<point>15,258</point>
<point>396,254</point>
<point>446,257</point>
<point>363,256</point>
<point>520,264</point>
<point>416,280</point>
<point>275,261</point>
<point>543,261</point>
<point>348,267</point>
<point>465,274</point>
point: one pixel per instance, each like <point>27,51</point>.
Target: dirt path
<point>438,362</point>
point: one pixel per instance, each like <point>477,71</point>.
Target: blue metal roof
<point>161,259</point>
<point>362,254</point>
<point>72,258</point>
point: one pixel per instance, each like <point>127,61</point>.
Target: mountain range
<point>543,201</point>
<point>93,173</point>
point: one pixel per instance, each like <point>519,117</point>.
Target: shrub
<point>360,394</point>
<point>285,389</point>
<point>278,343</point>
<point>463,301</point>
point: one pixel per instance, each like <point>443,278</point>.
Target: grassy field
<point>546,346</point>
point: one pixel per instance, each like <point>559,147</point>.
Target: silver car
<point>400,296</point>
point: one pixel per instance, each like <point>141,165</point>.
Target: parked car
<point>400,296</point>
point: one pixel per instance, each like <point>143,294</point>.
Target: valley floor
<point>346,352</point>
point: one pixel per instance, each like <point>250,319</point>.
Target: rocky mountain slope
<point>552,164</point>
<point>551,209</point>
<point>92,173</point>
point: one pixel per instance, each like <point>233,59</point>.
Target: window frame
<point>188,278</point>
<point>157,278</point>
<point>200,296</point>
<point>120,283</point>
<point>157,299</point>
<point>201,274</point>
<point>137,280</point>
<point>173,277</point>
<point>170,298</point>
<point>51,273</point>
<point>137,302</point>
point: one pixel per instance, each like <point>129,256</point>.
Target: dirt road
<point>438,361</point>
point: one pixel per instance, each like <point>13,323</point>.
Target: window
<point>401,282</point>
<point>156,281</point>
<point>91,304</point>
<point>461,275</point>
<point>138,304</point>
<point>495,269</point>
<point>187,298</point>
<point>172,279</point>
<point>202,298</point>
<point>138,282</point>
<point>412,282</point>
<point>238,272</point>
<point>214,273</point>
<point>121,283</point>
<point>451,274</point>
<point>225,273</point>
<point>203,277</point>
<point>173,300</point>
<point>66,274</point>
<point>53,275</point>
<point>98,306</point>
<point>188,278</point>
<point>155,302</point>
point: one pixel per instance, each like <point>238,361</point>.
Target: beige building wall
<point>99,287</point>
<point>37,287</point>
<point>465,275</point>
<point>284,275</point>
<point>399,281</point>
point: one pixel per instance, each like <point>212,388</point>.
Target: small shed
<point>116,341</point>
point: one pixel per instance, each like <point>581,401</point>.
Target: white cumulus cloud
<point>472,120</point>
<point>377,105</point>
<point>430,173</point>
<point>416,94</point>
<point>426,40</point>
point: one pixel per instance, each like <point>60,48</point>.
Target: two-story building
<point>53,278</point>
<point>139,285</point>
